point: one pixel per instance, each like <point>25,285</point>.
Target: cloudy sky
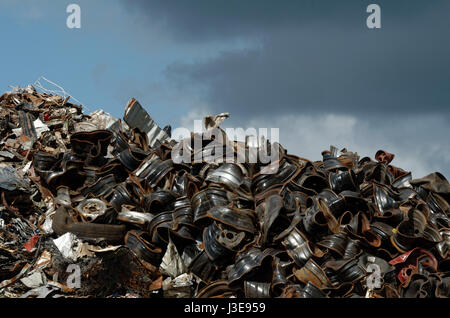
<point>311,68</point>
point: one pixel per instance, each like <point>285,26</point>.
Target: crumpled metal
<point>209,227</point>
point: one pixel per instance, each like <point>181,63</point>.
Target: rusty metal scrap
<point>106,196</point>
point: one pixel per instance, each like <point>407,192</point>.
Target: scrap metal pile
<point>94,206</point>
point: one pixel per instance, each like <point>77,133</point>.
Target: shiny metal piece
<point>154,170</point>
<point>422,193</point>
<point>160,220</point>
<point>438,205</point>
<point>294,239</point>
<point>128,159</point>
<point>403,181</point>
<point>383,230</point>
<point>406,194</point>
<point>140,243</point>
<point>134,217</point>
<point>431,235</point>
<point>158,201</point>
<point>121,142</point>
<point>103,187</point>
<point>268,214</point>
<point>206,199</point>
<point>215,251</point>
<point>256,290</point>
<point>182,213</point>
<point>90,209</point>
<point>182,228</point>
<point>85,127</point>
<point>136,117</point>
<point>335,202</point>
<point>202,266</point>
<point>336,242</point>
<point>342,180</point>
<point>352,249</point>
<point>301,254</point>
<point>383,201</point>
<point>262,182</point>
<point>228,173</point>
<point>120,197</point>
<point>311,291</point>
<point>279,273</point>
<point>240,219</point>
<point>248,261</point>
<point>344,219</point>
<point>299,248</point>
<point>345,270</point>
<point>330,162</point>
<point>444,246</point>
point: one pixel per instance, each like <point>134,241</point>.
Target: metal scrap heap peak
<point>96,206</point>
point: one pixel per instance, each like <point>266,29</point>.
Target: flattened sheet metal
<point>136,117</point>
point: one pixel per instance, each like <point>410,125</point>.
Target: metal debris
<point>95,206</point>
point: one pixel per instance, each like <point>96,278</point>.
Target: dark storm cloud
<point>313,69</point>
<point>215,19</point>
<point>315,55</point>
